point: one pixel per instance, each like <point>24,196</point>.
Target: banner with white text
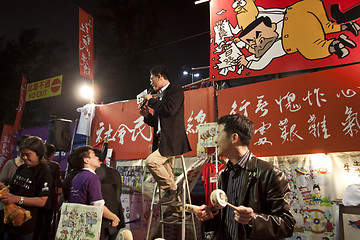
<point>86,44</point>
<point>309,113</point>
<point>131,138</point>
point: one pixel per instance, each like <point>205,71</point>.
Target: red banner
<point>309,113</point>
<point>21,105</point>
<point>7,144</point>
<point>131,138</point>
<point>86,44</point>
<point>199,108</point>
<point>297,35</point>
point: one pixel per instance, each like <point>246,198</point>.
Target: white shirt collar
<point>164,88</point>
<point>89,169</point>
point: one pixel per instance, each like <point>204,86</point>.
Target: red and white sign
<point>55,85</point>
<point>21,105</point>
<point>309,113</point>
<point>299,34</point>
<point>7,144</point>
<point>131,138</point>
<point>86,44</point>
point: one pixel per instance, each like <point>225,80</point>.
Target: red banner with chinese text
<point>21,105</point>
<point>301,34</point>
<point>309,113</point>
<point>86,44</point>
<point>7,144</point>
<point>131,138</point>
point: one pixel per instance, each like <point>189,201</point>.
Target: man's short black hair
<point>99,154</point>
<point>76,158</point>
<point>50,149</point>
<point>254,24</point>
<point>160,69</point>
<point>238,123</point>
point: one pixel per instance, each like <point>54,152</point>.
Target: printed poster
<point>251,38</point>
<point>79,221</point>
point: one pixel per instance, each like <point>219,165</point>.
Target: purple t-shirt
<point>85,188</point>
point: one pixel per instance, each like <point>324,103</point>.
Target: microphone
<point>150,90</point>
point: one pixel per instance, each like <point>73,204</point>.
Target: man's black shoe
<point>168,197</point>
<point>176,218</point>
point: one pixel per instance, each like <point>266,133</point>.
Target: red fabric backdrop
<point>86,44</point>
<point>131,138</point>
<point>309,113</point>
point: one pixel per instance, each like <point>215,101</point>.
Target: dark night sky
<point>182,41</point>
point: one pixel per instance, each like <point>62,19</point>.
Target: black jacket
<point>111,185</point>
<point>170,110</point>
<point>266,191</point>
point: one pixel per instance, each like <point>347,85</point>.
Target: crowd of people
<point>34,183</point>
<point>257,189</point>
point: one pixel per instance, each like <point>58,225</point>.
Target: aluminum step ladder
<point>185,198</point>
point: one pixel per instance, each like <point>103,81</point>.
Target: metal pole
<point>151,213</point>
<point>186,187</point>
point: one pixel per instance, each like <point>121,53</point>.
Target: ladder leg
<point>151,213</point>
<point>183,213</point>
<point>161,217</point>
<point>186,190</point>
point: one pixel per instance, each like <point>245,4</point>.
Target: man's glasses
<point>152,78</point>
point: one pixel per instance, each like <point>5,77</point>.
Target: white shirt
<point>86,117</point>
<point>160,96</point>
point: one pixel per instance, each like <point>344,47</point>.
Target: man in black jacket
<point>170,137</point>
<point>111,185</point>
<point>258,189</point>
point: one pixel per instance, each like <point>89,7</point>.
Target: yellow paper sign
<point>43,89</point>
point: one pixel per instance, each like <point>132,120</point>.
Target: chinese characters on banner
<point>43,89</point>
<point>238,50</point>
<point>86,44</point>
<point>7,144</point>
<point>309,113</point>
<point>131,138</point>
<point>8,134</point>
<point>21,105</point>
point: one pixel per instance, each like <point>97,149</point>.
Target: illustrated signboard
<point>207,135</point>
<point>251,38</point>
<point>78,221</point>
<point>309,113</point>
<point>131,138</point>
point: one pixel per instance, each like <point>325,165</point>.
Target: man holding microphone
<point>169,139</point>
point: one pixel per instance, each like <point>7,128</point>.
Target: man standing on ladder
<point>170,137</point>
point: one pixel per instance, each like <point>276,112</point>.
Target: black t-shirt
<point>52,202</point>
<point>29,182</point>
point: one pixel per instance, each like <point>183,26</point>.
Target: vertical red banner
<point>86,44</point>
<point>21,105</point>
<point>7,144</point>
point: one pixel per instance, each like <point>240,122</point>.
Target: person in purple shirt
<point>86,186</point>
